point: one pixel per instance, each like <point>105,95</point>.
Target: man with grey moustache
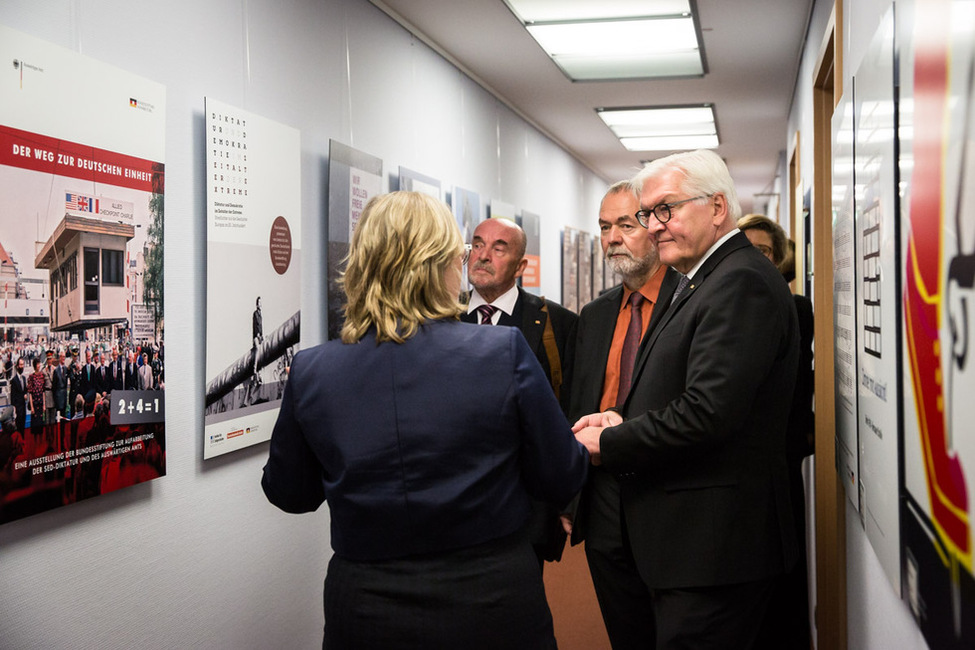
<point>610,330</point>
<point>497,260</point>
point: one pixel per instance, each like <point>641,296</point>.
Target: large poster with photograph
<point>253,273</point>
<point>937,126</point>
<point>585,269</point>
<point>531,279</point>
<point>570,269</point>
<point>82,178</point>
<point>466,205</point>
<point>878,344</point>
<point>354,177</point>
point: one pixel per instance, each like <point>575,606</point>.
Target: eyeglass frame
<point>466,255</point>
<point>643,216</point>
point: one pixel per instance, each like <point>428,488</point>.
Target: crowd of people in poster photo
<point>55,405</point>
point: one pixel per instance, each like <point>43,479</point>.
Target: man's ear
<point>521,267</point>
<point>720,208</point>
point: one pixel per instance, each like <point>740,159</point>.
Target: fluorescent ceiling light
<point>671,143</point>
<point>617,39</point>
<point>532,11</point>
<point>672,128</point>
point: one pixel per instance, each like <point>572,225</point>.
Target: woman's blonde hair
<point>394,279</point>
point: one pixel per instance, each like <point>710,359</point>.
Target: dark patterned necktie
<point>630,344</point>
<point>681,285</point>
<point>486,312</point>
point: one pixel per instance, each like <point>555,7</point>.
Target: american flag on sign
<point>80,203</point>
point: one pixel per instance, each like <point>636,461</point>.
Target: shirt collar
<point>505,302</point>
<point>650,288</point>
<point>715,246</point>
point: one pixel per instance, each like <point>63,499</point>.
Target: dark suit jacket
<point>701,455</point>
<point>419,447</point>
<point>530,319</point>
<point>545,529</point>
<point>594,337</point>
<point>59,387</point>
<point>130,376</point>
<point>18,393</point>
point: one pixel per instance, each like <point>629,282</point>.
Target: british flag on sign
<point>80,203</point>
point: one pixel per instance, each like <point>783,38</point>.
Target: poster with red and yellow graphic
<point>937,139</point>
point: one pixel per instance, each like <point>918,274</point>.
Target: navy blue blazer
<point>424,446</point>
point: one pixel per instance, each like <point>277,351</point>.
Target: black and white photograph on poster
<point>253,273</point>
<point>354,177</point>
<point>412,181</point>
<point>81,278</point>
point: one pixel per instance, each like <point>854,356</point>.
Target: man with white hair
<point>699,443</point>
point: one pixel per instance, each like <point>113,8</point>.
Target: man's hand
<point>589,437</point>
<point>566,520</point>
<point>602,420</point>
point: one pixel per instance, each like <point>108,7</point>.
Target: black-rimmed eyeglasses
<point>662,211</point>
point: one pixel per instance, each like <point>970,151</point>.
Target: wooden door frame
<point>830,509</point>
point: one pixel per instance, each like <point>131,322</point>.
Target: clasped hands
<point>590,427</point>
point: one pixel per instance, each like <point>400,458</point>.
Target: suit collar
<point>657,324</point>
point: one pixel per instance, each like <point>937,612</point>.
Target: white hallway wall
<point>198,558</point>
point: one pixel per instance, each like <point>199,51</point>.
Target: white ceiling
<point>752,47</point>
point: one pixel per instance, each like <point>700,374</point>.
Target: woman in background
<point>786,623</point>
<point>426,436</point>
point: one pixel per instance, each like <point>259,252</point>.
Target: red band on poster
<point>65,158</point>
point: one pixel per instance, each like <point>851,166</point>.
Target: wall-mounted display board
<point>531,279</point>
<point>253,176</point>
<point>466,206</point>
<point>585,269</point>
<point>598,267</point>
<point>878,291</point>
<point>354,177</point>
<point>937,163</point>
<point>412,181</point>
<point>570,269</point>
<point>82,176</point>
<point>844,298</point>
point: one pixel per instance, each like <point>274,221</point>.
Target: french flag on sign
<point>80,203</point>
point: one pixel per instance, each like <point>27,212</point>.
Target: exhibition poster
<point>354,177</point>
<point>937,126</point>
<point>82,358</point>
<point>844,301</point>
<point>466,206</point>
<point>585,269</point>
<point>570,269</point>
<point>412,181</point>
<point>253,176</point>
<point>878,343</point>
<point>531,279</point>
<point>598,267</point>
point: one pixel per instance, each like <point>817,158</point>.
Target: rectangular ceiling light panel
<point>663,129</point>
<point>618,39</point>
<point>533,11</point>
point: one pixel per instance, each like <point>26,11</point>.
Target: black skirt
<point>488,596</point>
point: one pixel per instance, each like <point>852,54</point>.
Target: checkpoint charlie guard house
<point>86,260</point>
